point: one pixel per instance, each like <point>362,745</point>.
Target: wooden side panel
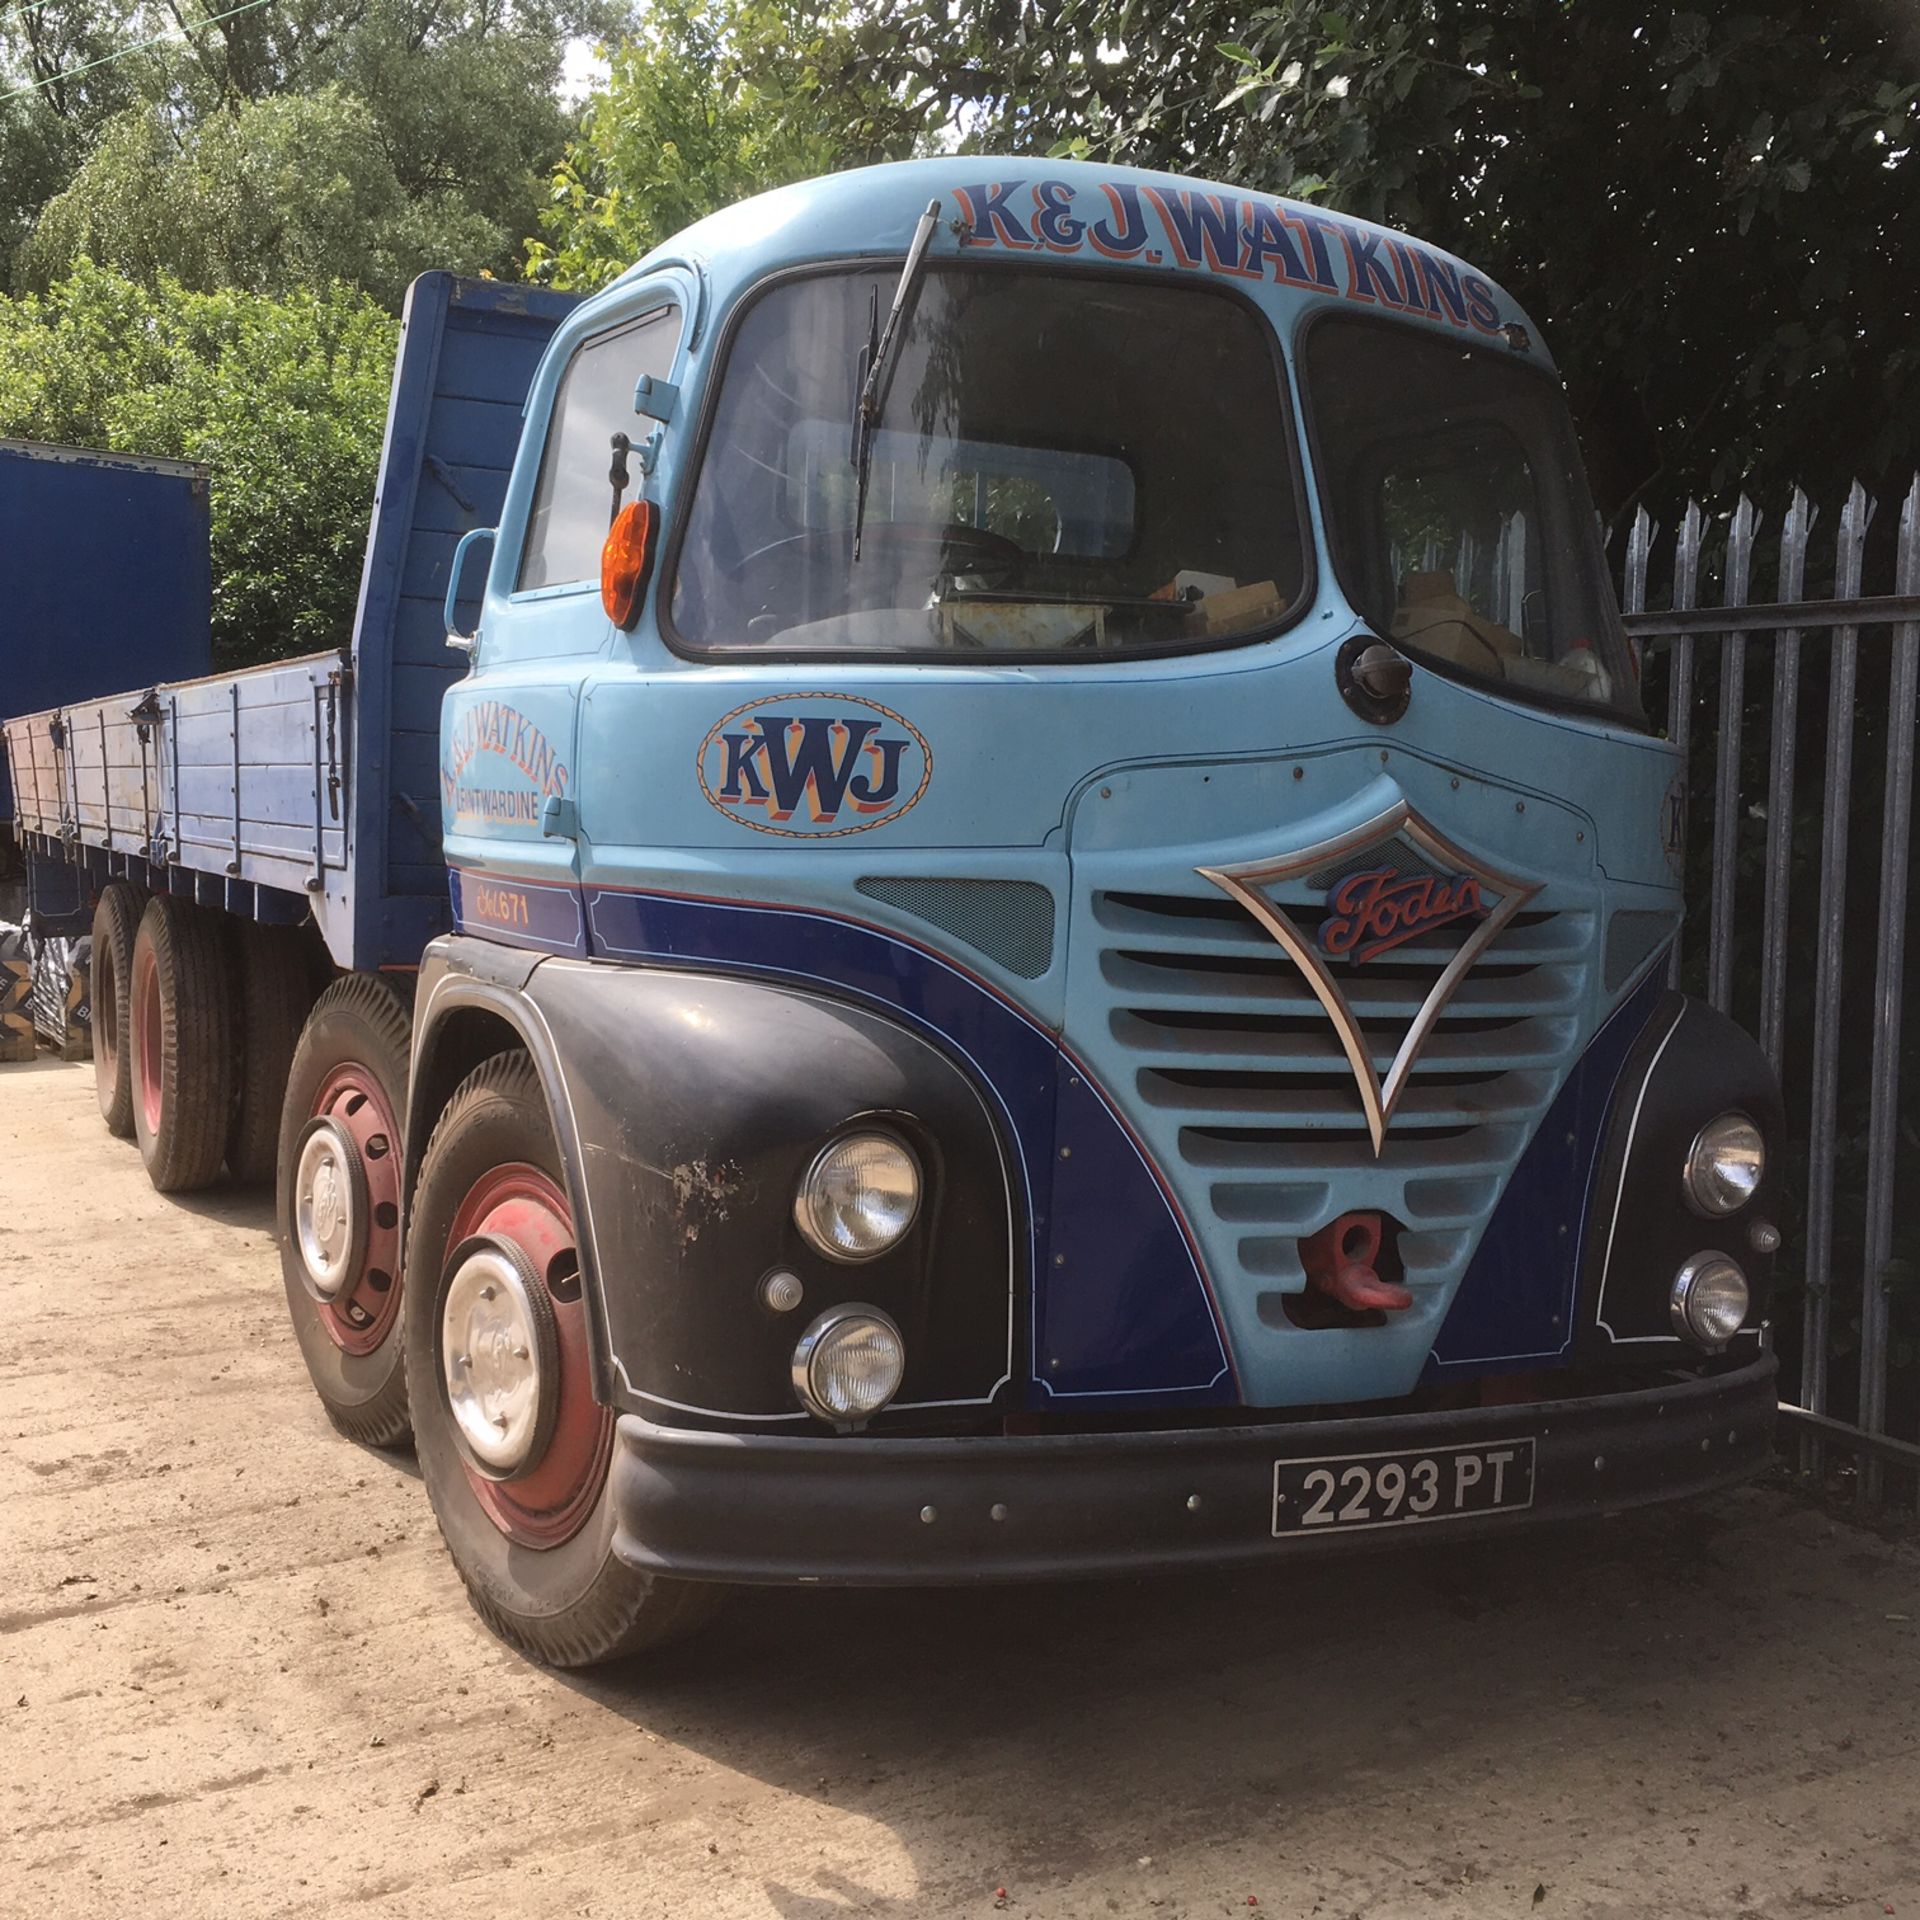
<point>259,788</point>
<point>244,777</point>
<point>35,765</point>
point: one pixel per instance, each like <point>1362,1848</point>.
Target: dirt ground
<point>238,1676</point>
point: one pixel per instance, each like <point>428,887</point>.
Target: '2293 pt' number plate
<point>1349,1493</point>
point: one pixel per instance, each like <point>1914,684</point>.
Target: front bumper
<point>851,1511</point>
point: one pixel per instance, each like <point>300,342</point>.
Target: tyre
<point>273,991</point>
<point>115,922</point>
<point>180,1047</point>
<point>338,1204</point>
<point>512,1445</point>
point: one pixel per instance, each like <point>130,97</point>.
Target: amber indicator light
<point>625,560</point>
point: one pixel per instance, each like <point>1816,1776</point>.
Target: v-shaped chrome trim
<point>1378,1097</point>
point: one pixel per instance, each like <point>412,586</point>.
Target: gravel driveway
<point>238,1676</point>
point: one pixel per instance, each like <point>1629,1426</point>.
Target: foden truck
<point>1020,927</point>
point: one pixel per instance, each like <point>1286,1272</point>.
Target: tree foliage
<point>1710,206</point>
<point>712,102</point>
<point>1713,208</point>
<point>284,400</point>
<point>291,191</point>
<point>299,141</point>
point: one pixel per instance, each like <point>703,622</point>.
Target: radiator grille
<point>1228,1047</point>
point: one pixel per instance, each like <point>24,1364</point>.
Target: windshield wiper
<point>871,400</point>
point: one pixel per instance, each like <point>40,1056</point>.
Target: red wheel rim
<point>361,1315</point>
<point>549,1501</point>
<point>149,1075</point>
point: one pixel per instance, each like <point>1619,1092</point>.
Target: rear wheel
<point>338,1204</point>
<point>179,1046</point>
<point>273,992</point>
<point>116,920</point>
<point>513,1446</point>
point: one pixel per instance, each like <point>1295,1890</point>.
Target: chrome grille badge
<point>1372,906</point>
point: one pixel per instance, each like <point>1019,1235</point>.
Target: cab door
<point>508,777</point>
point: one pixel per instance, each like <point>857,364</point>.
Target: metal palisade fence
<point>1799,869</point>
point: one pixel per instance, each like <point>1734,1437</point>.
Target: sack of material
<point>16,988</point>
<point>62,972</point>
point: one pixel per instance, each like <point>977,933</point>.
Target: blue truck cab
<point>1060,902</point>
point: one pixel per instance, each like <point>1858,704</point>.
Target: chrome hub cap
<point>496,1355</point>
<point>329,1208</point>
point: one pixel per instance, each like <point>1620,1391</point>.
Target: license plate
<point>1355,1492</point>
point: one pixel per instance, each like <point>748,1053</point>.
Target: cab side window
<point>572,502</point>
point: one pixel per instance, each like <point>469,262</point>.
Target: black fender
<point>1688,1065</point>
<point>687,1107</point>
<point>470,1004</point>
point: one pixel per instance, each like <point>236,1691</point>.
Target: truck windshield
<point>1458,513</point>
<point>1050,473</point>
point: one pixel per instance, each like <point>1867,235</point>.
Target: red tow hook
<point>1340,1261</point>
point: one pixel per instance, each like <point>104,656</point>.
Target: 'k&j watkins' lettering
<point>1268,238</point>
<point>1203,227</point>
<point>1223,233</point>
<point>1367,275</point>
<point>1125,233</point>
<point>987,211</point>
<point>780,762</point>
<point>1053,223</point>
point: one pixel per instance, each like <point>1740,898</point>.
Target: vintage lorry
<point>1025,936</point>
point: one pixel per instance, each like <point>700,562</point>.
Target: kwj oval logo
<point>814,766</point>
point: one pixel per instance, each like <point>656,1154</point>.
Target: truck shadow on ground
<point>1066,1729</point>
<point>231,1206</point>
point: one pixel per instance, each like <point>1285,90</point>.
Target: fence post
<point>1842,678</point>
<point>1794,533</point>
<point>1633,584</point>
<point>1726,767</point>
<point>1686,587</point>
<point>1896,840</point>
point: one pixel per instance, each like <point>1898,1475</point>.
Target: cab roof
<point>1287,254</point>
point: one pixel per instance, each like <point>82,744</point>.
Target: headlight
<point>1710,1300</point>
<point>849,1364</point>
<point>1724,1165</point>
<point>859,1196</point>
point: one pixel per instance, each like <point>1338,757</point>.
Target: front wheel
<point>513,1447</point>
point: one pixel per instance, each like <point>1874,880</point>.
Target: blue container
<point>108,583</point>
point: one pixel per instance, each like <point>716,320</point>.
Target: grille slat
<point>1311,1046</point>
<point>1196,982</point>
<point>1199,924</point>
<point>1285,1100</point>
<point>1230,929</point>
<point>1485,1149</point>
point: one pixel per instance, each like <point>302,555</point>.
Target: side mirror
<point>463,642</point>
